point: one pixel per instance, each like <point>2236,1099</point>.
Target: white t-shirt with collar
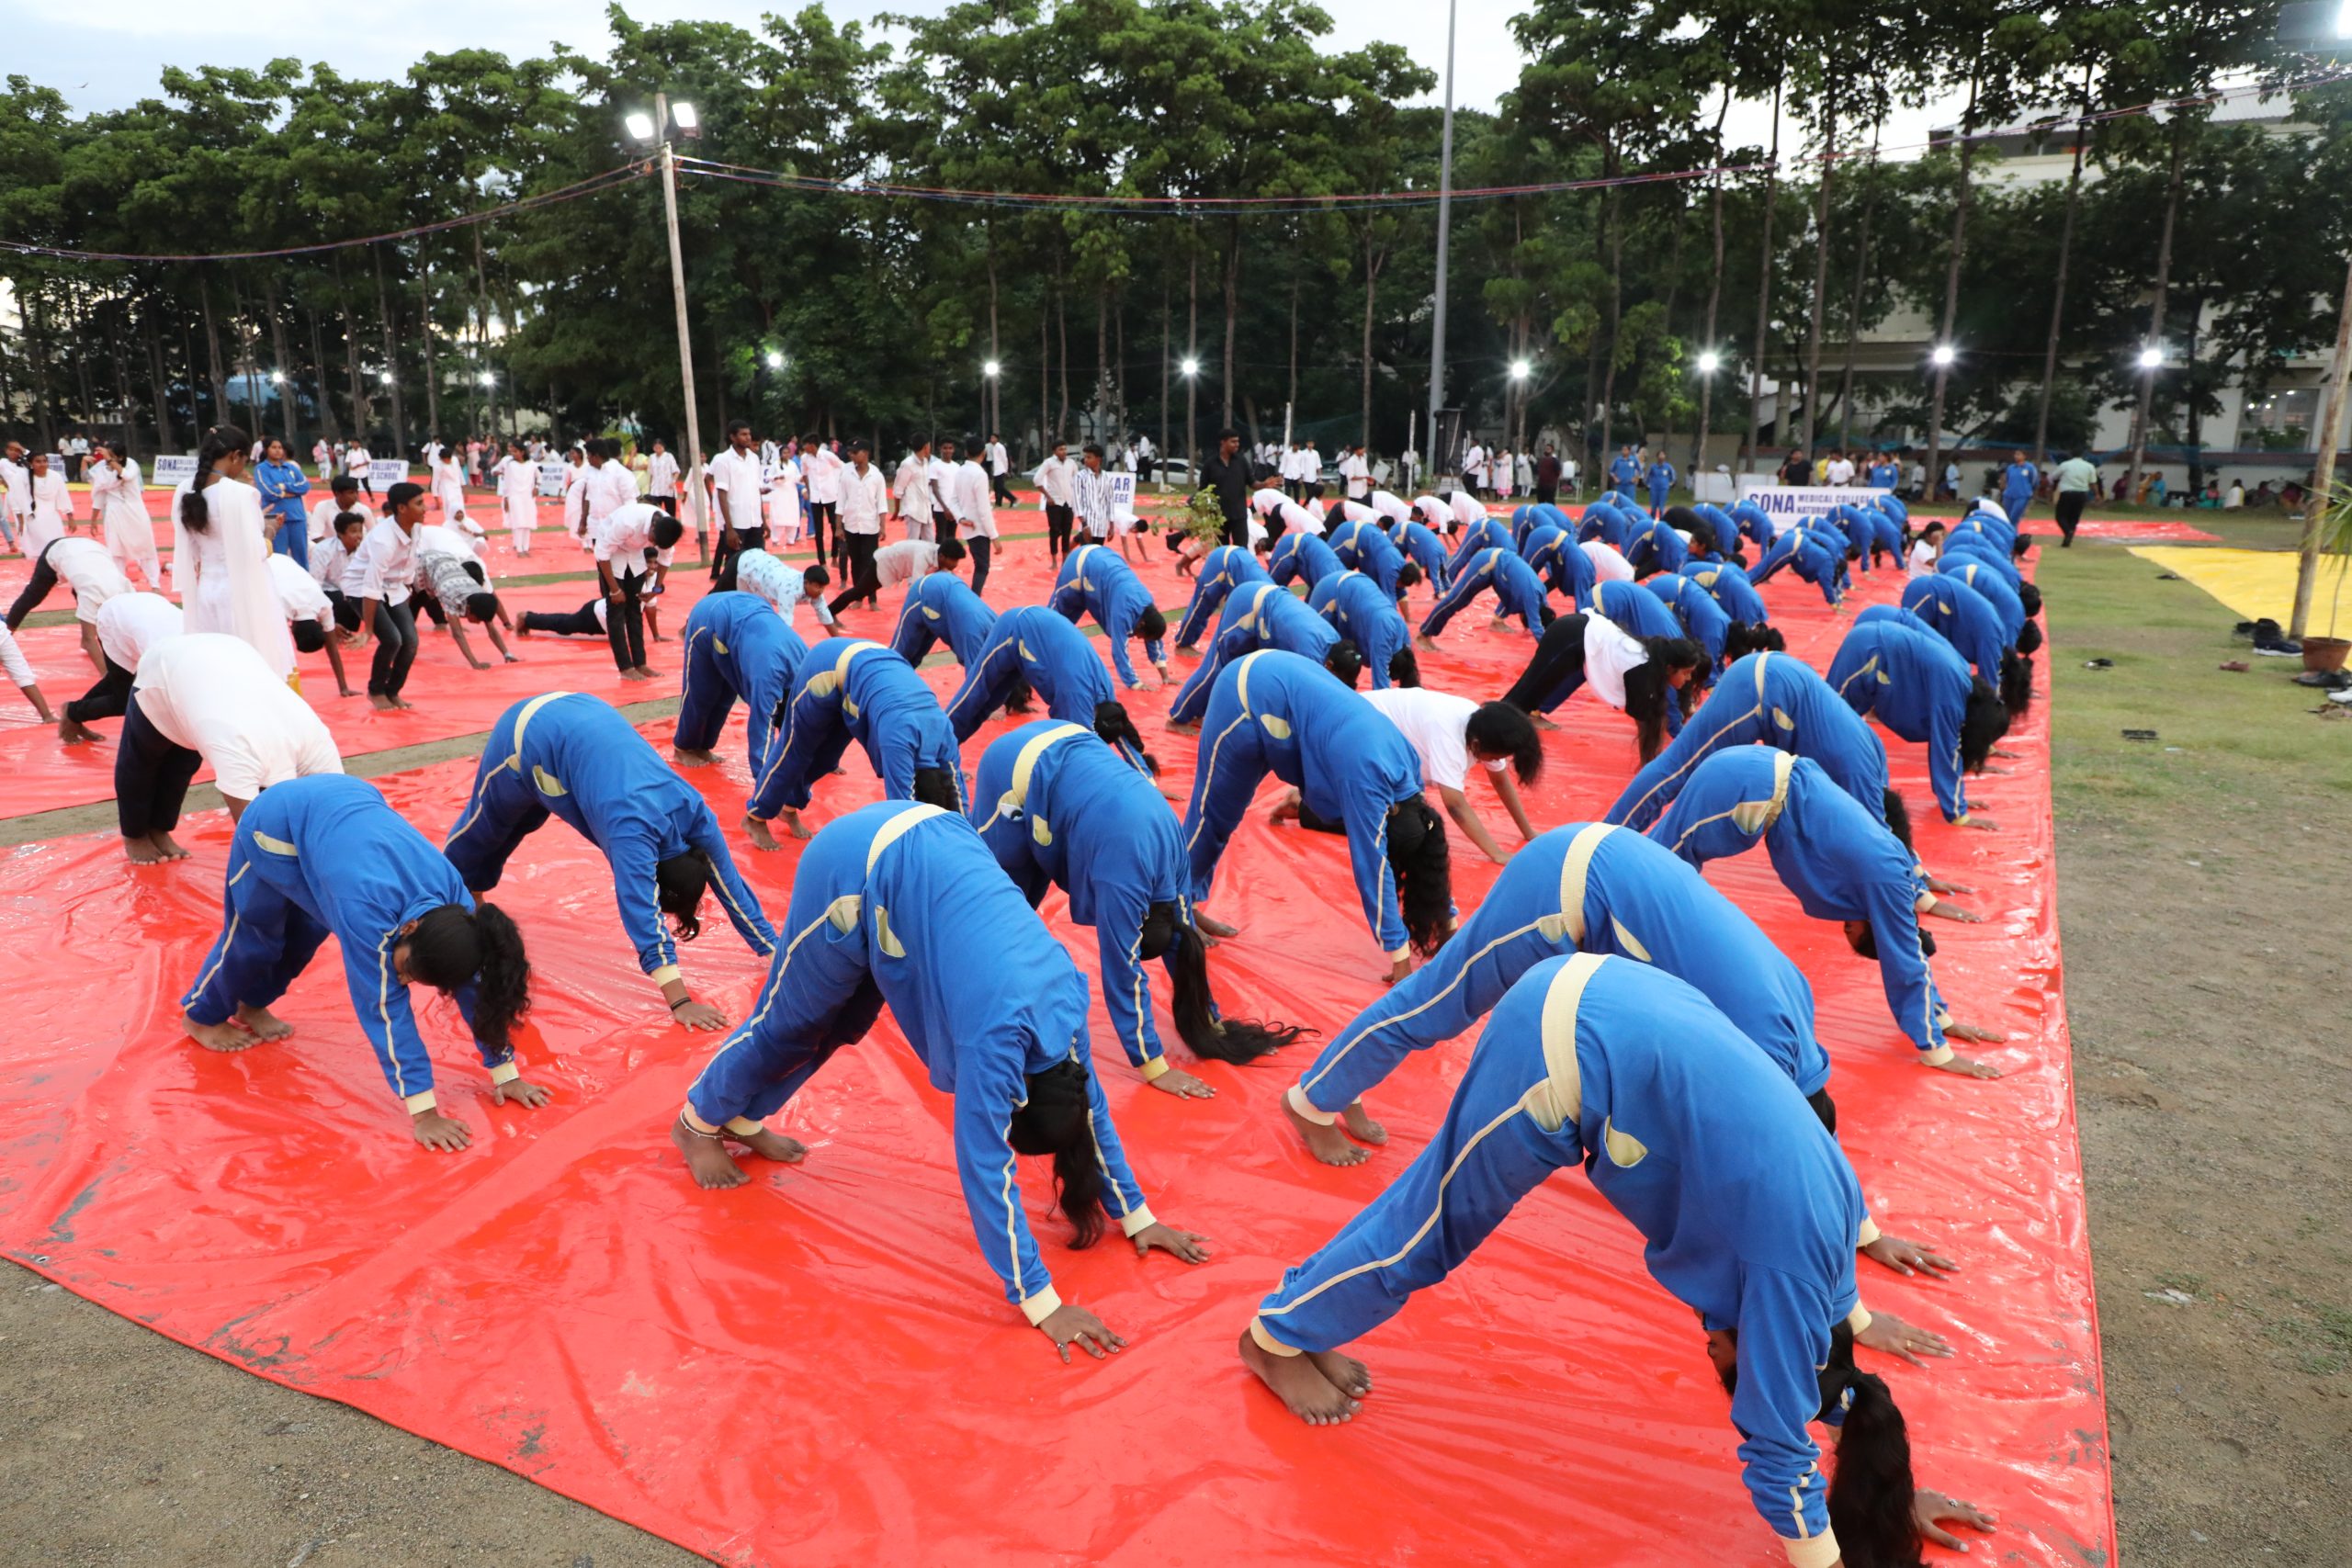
<point>1436,723</point>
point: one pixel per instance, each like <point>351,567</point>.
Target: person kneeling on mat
<point>328,856</point>
<point>1747,1206</point>
<point>884,901</point>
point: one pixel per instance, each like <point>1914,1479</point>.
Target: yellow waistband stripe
<point>890,832</point>
<point>1575,866</point>
<point>522,718</point>
<point>1559,1099</point>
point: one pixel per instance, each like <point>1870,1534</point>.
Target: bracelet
<point>679,1003</point>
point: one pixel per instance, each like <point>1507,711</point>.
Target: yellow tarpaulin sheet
<point>2253,582</point>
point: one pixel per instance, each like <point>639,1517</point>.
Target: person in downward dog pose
<point>884,901</point>
<point>854,690</point>
<point>1033,649</point>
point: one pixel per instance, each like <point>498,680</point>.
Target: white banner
<point>1787,504</point>
<point>1122,495</point>
<point>171,472</point>
<point>553,477</point>
<point>384,473</point>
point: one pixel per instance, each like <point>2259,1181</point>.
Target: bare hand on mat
<point>1897,1338</point>
<point>1183,1085</point>
<point>1931,1510</point>
<point>1945,911</point>
<point>1069,1325</point>
<point>1190,1246</point>
<point>1969,1031</point>
<point>698,1015</point>
<point>522,1092</point>
<point>1908,1258</point>
<point>444,1134</point>
<point>1966,1066</point>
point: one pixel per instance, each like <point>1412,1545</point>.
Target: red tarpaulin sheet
<point>817,1366</point>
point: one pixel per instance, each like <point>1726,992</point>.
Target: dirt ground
<point>2197,893</point>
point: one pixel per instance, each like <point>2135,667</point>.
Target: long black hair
<point>1500,729</point>
<point>1419,856</point>
<point>1648,690</point>
<point>682,879</point>
<point>1872,1491</point>
<point>452,948</point>
<point>1056,1119</point>
<point>1743,637</point>
<point>1166,933</point>
<point>2017,681</point>
<point>1118,731</point>
<point>937,786</point>
<point>1898,818</point>
<point>1345,660</point>
<point>1986,720</point>
<point>196,515</point>
<point>1404,667</point>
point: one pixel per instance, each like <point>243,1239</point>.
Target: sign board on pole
<point>1787,504</point>
<point>1122,495</point>
<point>552,476</point>
<point>172,471</point>
<point>384,473</point>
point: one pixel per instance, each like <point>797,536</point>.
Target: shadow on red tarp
<point>818,1366</point>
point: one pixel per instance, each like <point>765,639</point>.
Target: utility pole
<point>1444,234</point>
<point>662,127</point>
<point>2331,417</point>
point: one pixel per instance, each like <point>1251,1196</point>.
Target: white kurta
<point>215,696</point>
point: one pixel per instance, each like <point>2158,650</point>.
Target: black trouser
<point>823,515</point>
<point>1547,495</point>
<point>942,526</point>
<point>151,776</point>
<point>104,700</point>
<point>1000,490</point>
<point>625,622</point>
<point>347,609</point>
<point>36,589</point>
<point>1057,525</point>
<point>581,622</point>
<point>863,580</point>
<point>1559,654</point>
<point>395,649</point>
<point>1824,1108</point>
<point>979,549</point>
<point>1237,530</point>
<point>2069,513</point>
<point>722,559</point>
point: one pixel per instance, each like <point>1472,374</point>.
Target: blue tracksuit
<point>575,758</point>
<point>888,905</point>
<point>1561,563</point>
<point>1057,660</point>
<point>1964,616</point>
<point>2018,482</point>
<point>1359,610</point>
<point>1701,619</point>
<point>1839,860</point>
<point>1222,570</point>
<point>1603,522</point>
<point>1725,533</point>
<point>1755,523</point>
<point>1915,685</point>
<point>1892,506</point>
<point>1298,554</point>
<point>1978,549</point>
<point>1420,545</point>
<point>854,690</point>
<point>1277,713</point>
<point>1871,529</point>
<point>1885,476</point>
<point>1518,591</point>
<point>1625,472</point>
<point>1260,615</point>
<point>1993,587</point>
<point>1746,1207</point>
<point>1900,616</point>
<point>1772,699</point>
<point>1524,520</point>
<point>1058,808</point>
<point>1660,477</point>
<point>1094,581</point>
<point>1729,587</point>
<point>736,646</point>
<point>941,607</point>
<point>1655,546</point>
<point>1806,551</point>
<point>1637,611</point>
<point>1362,547</point>
<point>1486,533</point>
<point>326,855</point>
<point>2002,534</point>
<point>1584,887</point>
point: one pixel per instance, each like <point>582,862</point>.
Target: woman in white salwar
<point>220,553</point>
<point>518,479</point>
<point>119,492</point>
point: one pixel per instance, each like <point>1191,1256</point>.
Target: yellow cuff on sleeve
<point>664,976</point>
<point>1295,1098</point>
<point>1267,1342</point>
<point>506,1071</point>
<point>1961,820</point>
<point>743,1126</point>
<point>1812,1551</point>
<point>1154,1069</point>
<point>1136,1219</point>
<point>419,1103</point>
<point>1858,1320</point>
<point>1936,1058</point>
<point>1401,953</point>
<point>1868,1234</point>
<point>1924,902</point>
<point>1041,1306</point>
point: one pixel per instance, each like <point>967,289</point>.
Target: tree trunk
<point>1854,294</point>
<point>2155,338</point>
<point>291,386</point>
<point>159,378</point>
<point>328,424</point>
<point>36,342</point>
<point>432,354</point>
<point>1714,300</point>
<point>1764,289</point>
<point>77,319</point>
<point>1046,432</point>
<point>1614,226</point>
<point>123,394</point>
<point>1371,261</point>
<point>1061,337</point>
<point>1192,357</point>
<point>1232,310</point>
<point>1166,351</point>
<point>2196,431</point>
<point>1102,353</point>
<point>1951,280</point>
<point>2058,290</point>
<point>212,353</point>
<point>996,393</point>
<point>1297,280</point>
<point>1819,304</point>
<point>389,322</point>
<point>481,297</point>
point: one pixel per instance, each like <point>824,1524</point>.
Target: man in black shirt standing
<point>1547,476</point>
<point>1228,473</point>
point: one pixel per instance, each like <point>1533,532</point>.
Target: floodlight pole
<point>1444,235</point>
<point>695,513</point>
<point>2331,416</point>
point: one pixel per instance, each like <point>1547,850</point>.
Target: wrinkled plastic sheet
<point>2254,584</point>
<point>2126,530</point>
<point>819,1367</point>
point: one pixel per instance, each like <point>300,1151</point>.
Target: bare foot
<point>1500,624</point>
<point>1543,723</point>
<point>520,629</point>
<point>218,1036</point>
<point>1299,1384</point>
<point>647,672</point>
<point>166,847</point>
<point>1426,644</point>
<point>772,1145</point>
<point>143,851</point>
<point>1327,1144</point>
<point>707,1161</point>
<point>761,835</point>
<point>1286,808</point>
<point>72,731</point>
<point>265,1024</point>
<point>635,676</point>
<point>382,703</point>
<point>1183,730</point>
<point>1360,1126</point>
<point>402,703</point>
<point>1345,1374</point>
<point>687,757</point>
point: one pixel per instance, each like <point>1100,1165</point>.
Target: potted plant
<point>2335,539</point>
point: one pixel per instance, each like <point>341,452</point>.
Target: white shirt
<point>905,560</point>
<point>756,572</point>
<point>1358,474</point>
<point>784,497</point>
<point>1466,508</point>
<point>1473,460</point>
<point>1297,519</point>
<point>1000,461</point>
<point>1434,512</point>
<point>213,694</point>
<point>1841,472</point>
<point>324,511</point>
<point>969,497</point>
<point>42,521</point>
<point>1390,504</point>
<point>329,560</point>
<point>90,572</point>
<point>383,565</point>
<point>131,624</point>
<point>1609,654</point>
<point>662,472</point>
<point>1055,476</point>
<point>911,485</point>
<point>1267,500</point>
<point>862,498</point>
<point>53,503</point>
<point>1608,566</point>
<point>298,591</point>
<point>623,536</point>
<point>1436,723</point>
<point>445,541</point>
<point>517,480</point>
<point>739,480</point>
<point>1923,556</point>
<point>827,476</point>
<point>612,487</point>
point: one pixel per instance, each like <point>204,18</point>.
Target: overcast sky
<point>111,55</point>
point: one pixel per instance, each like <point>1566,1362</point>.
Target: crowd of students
<point>1634,1021</point>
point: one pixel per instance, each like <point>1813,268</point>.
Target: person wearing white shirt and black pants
<point>377,579</point>
<point>661,478</point>
<point>969,497</point>
<point>738,480</point>
<point>823,470</point>
<point>1056,476</point>
<point>913,489</point>
<point>625,542</point>
<point>942,482</point>
<point>863,499</point>
<point>1356,473</point>
<point>999,490</point>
